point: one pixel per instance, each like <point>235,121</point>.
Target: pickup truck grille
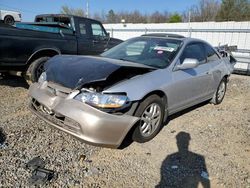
<point>55,118</point>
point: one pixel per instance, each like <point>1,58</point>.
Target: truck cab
<point>92,37</point>
<point>26,47</point>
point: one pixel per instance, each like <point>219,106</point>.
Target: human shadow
<point>184,168</point>
<point>128,139</point>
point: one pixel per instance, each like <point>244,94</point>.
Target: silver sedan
<point>130,89</point>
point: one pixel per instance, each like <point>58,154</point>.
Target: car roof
<point>164,35</point>
<point>173,36</point>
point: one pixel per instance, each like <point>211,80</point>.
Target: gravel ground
<point>218,138</point>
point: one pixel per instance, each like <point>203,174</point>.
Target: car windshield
<point>154,52</point>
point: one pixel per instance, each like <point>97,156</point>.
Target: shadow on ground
<point>184,168</point>
<point>128,140</point>
<point>13,81</point>
<point>2,136</point>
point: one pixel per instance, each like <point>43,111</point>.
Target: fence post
<point>190,31</point>
<point>112,32</point>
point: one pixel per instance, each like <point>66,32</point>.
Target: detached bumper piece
<point>40,175</point>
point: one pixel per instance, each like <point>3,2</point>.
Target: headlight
<point>42,78</point>
<point>102,100</point>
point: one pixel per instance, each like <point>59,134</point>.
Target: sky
<point>30,8</point>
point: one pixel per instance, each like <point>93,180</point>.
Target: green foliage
<point>175,18</point>
<point>72,11</point>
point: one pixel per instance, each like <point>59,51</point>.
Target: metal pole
<point>189,20</point>
<point>87,6</point>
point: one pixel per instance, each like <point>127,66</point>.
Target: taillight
<point>19,15</point>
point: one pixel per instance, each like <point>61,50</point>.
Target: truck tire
<point>9,20</point>
<point>151,112</point>
<point>35,69</point>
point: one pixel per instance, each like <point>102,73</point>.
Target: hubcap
<point>9,21</point>
<point>221,91</point>
<point>150,119</point>
<point>39,70</point>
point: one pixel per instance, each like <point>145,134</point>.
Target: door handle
<point>95,41</point>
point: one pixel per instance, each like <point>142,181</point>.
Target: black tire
<point>217,99</point>
<point>9,20</point>
<point>35,69</point>
<point>137,133</point>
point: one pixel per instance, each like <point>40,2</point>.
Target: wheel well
<point>164,98</point>
<point>226,77</point>
<point>9,16</point>
<point>42,53</point>
<point>128,138</point>
<point>160,93</point>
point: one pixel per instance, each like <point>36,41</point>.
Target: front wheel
<point>151,112</point>
<point>9,20</point>
<point>36,69</point>
<point>220,92</point>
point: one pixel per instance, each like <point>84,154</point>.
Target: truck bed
<point>51,27</point>
<point>17,45</point>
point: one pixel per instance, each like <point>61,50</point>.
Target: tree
<point>72,11</point>
<point>111,17</point>
<point>234,10</point>
<point>206,10</point>
<point>175,18</point>
<point>158,17</point>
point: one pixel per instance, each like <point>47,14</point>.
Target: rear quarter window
<point>211,54</point>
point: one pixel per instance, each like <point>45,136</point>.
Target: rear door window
<point>82,27</point>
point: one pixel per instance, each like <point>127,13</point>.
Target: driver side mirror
<point>188,63</point>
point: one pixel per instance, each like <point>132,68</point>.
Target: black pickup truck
<point>25,47</point>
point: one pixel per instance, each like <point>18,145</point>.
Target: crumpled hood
<point>74,71</point>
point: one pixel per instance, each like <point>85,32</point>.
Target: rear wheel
<point>9,20</point>
<point>151,112</point>
<point>220,92</point>
<point>36,69</point>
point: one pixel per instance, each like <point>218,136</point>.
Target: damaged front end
<point>72,97</point>
<point>91,76</point>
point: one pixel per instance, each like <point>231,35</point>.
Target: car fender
<point>138,87</point>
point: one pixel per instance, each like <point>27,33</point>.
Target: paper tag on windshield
<point>164,48</point>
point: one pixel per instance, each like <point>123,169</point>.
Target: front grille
<point>58,90</point>
<point>56,118</point>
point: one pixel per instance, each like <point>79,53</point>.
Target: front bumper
<point>80,120</point>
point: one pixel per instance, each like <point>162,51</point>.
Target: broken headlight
<point>42,78</point>
<point>100,100</point>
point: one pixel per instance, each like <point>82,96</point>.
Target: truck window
<point>82,28</point>
<point>97,30</point>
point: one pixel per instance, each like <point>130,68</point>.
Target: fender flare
<point>40,50</point>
